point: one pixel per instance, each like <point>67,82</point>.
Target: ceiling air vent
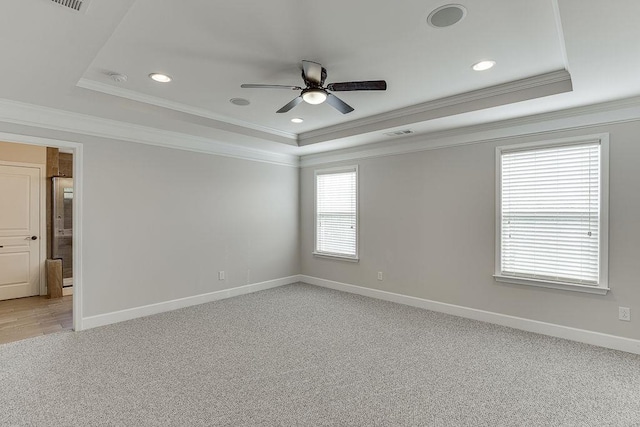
<point>77,5</point>
<point>400,132</point>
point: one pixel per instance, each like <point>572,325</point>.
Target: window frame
<point>330,255</point>
<point>602,287</point>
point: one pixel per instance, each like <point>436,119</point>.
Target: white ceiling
<point>58,58</point>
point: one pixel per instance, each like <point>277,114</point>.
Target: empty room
<point>355,213</point>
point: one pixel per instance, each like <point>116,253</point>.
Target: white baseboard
<point>581,335</point>
<point>161,307</point>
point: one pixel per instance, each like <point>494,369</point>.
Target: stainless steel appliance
<point>63,226</point>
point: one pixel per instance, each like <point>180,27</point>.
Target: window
<point>337,212</point>
<point>552,214</point>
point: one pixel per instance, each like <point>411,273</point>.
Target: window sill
<point>336,257</point>
<point>553,285</point>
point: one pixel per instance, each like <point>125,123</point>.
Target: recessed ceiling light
<point>483,65</point>
<point>160,78</point>
<point>297,120</point>
<point>240,101</point>
<point>447,15</point>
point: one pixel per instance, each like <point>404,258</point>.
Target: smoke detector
<point>76,5</point>
<point>118,78</point>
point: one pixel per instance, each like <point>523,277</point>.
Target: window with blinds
<point>550,213</point>
<point>336,212</point>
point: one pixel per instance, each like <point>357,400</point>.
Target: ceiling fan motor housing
<point>310,84</point>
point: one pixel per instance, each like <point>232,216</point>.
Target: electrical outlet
<point>220,275</point>
<point>624,313</point>
<point>379,275</point>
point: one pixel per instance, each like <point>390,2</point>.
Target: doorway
<point>28,224</point>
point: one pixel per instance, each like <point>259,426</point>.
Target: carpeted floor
<point>300,355</point>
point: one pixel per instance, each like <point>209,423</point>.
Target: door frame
<point>76,149</point>
<point>42,218</point>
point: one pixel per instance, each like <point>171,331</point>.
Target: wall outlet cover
<point>624,313</point>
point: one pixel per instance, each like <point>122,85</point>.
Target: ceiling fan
<point>315,92</point>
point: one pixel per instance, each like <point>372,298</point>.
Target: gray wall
<point>160,223</point>
<point>427,222</point>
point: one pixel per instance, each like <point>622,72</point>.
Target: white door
<point>19,231</point>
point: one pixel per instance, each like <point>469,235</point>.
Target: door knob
<point>32,238</point>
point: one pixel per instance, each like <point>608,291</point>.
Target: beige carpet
<point>306,356</point>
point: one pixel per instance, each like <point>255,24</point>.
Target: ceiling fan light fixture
<point>160,78</point>
<point>314,96</point>
<point>297,120</point>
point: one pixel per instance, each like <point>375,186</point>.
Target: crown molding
<point>183,108</point>
<point>586,117</point>
<point>612,112</point>
<point>49,118</point>
<point>519,90</point>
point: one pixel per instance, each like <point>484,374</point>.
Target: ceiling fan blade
<point>365,85</point>
<point>339,104</point>
<point>258,86</point>
<point>312,72</point>
<point>290,105</point>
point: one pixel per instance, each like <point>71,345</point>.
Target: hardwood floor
<point>30,317</point>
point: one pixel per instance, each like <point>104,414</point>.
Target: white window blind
<point>550,213</point>
<point>336,215</point>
